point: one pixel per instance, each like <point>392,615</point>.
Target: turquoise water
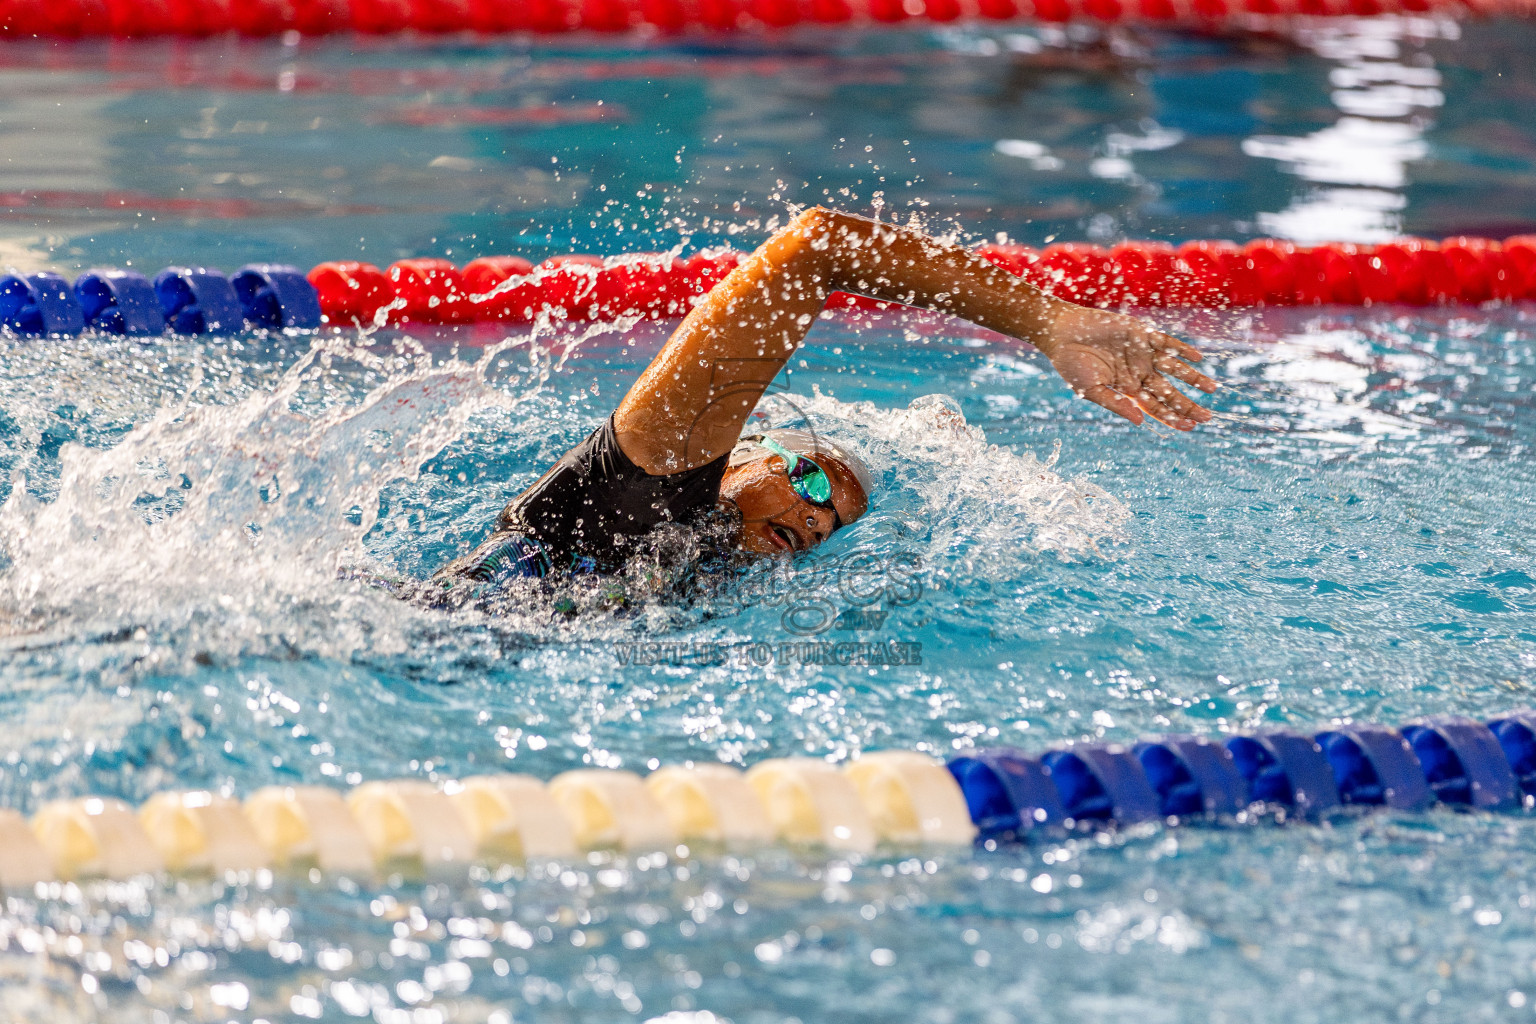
<point>1348,540</point>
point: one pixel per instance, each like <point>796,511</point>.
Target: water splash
<point>213,523</point>
<point>972,495</point>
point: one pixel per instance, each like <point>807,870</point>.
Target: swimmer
<point>673,451</point>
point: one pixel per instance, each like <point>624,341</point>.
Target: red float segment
<point>1213,274</point>
<point>709,267</point>
<point>1146,269</point>
<point>351,292</point>
<point>1403,273</point>
<point>262,17</point>
<point>135,19</point>
<point>194,18</point>
<point>562,285</point>
<point>1211,267</point>
<point>1483,269</point>
<point>380,17</point>
<point>518,302</point>
<point>1274,279</point>
<point>888,12</point>
<point>1015,259</point>
<point>1466,259</point>
<point>1521,251</point>
<point>65,19</point>
<point>606,15</point>
<point>566,283</point>
<point>1079,273</point>
<point>1338,274</point>
<point>580,287</point>
<point>719,15</point>
<point>484,274</point>
<point>1059,270</point>
<point>1374,277</point>
<point>438,16</point>
<point>1440,282</point>
<point>198,19</point>
<point>776,13</point>
<point>655,286</point>
<point>483,279</point>
<point>667,16</point>
<point>1307,278</point>
<point>432,291</point>
<point>318,17</point>
<point>998,10</point>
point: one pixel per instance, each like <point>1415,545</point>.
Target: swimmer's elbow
<point>823,230</point>
<point>815,217</point>
<point>809,224</point>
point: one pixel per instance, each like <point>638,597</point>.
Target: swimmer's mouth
<point>783,538</point>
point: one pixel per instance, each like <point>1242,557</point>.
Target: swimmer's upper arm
<point>688,407</point>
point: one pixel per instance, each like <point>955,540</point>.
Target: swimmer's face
<point>774,519</point>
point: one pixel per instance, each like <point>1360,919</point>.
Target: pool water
<point>189,526</point>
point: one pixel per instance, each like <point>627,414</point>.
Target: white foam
<point>968,494</point>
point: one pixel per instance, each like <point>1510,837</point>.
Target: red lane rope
<point>195,18</point>
<point>1202,274</point>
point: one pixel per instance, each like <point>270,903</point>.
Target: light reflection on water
<point>226,151</point>
<point>1387,90</point>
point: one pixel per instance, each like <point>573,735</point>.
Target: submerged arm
<point>689,405</point>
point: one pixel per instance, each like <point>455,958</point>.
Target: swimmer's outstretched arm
<point>689,405</point>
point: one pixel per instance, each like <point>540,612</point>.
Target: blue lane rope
<point>38,304</point>
<point>1447,760</point>
<point>890,797</point>
<point>186,300</point>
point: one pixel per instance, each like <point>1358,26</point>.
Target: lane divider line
<point>891,801</point>
<point>198,300</point>
<point>130,19</point>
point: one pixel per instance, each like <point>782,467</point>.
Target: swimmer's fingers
<point>1176,367</point>
<point>1155,408</point>
<point>1169,405</point>
<point>1115,402</point>
<point>1168,343</point>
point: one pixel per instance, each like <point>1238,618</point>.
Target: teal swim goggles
<point>806,477</point>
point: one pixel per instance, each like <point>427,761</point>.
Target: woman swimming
<point>673,452</point>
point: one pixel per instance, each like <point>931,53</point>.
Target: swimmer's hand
<point>1122,364</point>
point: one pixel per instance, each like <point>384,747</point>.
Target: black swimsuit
<point>587,514</point>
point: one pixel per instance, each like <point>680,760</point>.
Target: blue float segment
<point>198,300</point>
<point>33,305</point>
<point>1516,733</point>
<point>1285,769</point>
<point>1006,791</point>
<point>1192,775</point>
<point>119,302</point>
<point>1463,762</point>
<point>1101,783</point>
<point>1375,765</point>
<point>275,296</point>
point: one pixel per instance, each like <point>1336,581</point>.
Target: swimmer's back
<point>587,513</point>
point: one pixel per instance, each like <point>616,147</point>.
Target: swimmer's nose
<point>822,528</point>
